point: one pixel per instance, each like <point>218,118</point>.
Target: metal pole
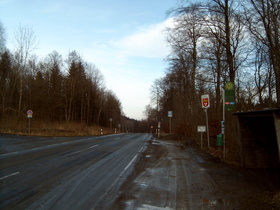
<point>170,125</point>
<point>207,128</point>
<point>29,124</point>
<point>224,119</point>
<point>111,125</point>
<point>201,140</point>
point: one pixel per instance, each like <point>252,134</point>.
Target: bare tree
<point>214,67</point>
<point>186,34</point>
<point>2,38</point>
<point>225,24</point>
<point>264,23</point>
<point>95,93</point>
<point>25,42</point>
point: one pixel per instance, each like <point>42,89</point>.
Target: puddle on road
<point>202,204</point>
<point>218,204</point>
<point>144,185</point>
<point>149,207</point>
<point>180,158</point>
<point>209,203</point>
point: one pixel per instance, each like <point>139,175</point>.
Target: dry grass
<point>41,128</point>
<point>276,199</point>
<point>272,198</point>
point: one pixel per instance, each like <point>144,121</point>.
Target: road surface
<point>169,176</point>
<point>65,173</point>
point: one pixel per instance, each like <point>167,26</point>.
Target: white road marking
<point>129,164</point>
<point>141,149</point>
<point>44,147</point>
<point>13,174</point>
<point>122,173</point>
<point>93,146</point>
<point>148,207</point>
<point>76,152</point>
<point>73,153</point>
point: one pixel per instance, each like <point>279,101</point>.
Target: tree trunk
<point>20,95</point>
<point>228,44</point>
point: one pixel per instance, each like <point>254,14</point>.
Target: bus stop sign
<point>229,96</point>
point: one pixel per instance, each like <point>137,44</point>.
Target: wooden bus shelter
<point>259,138</point>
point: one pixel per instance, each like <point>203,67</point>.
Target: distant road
<point>65,172</point>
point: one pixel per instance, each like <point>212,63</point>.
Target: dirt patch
<point>170,175</point>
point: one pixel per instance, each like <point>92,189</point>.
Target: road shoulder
<point>169,176</point>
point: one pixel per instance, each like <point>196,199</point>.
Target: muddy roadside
<point>170,175</point>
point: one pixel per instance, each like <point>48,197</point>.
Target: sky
<point>124,39</point>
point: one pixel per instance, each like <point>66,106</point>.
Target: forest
<point>57,90</point>
<point>214,42</point>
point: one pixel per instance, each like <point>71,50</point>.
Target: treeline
<point>56,89</point>
<point>214,42</point>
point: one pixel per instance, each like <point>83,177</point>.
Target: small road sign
<point>205,101</point>
<point>201,129</point>
<point>169,113</point>
<point>29,113</point>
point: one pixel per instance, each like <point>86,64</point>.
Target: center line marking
<point>5,177</point>
<point>94,146</point>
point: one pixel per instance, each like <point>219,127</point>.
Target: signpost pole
<point>207,127</point>
<point>170,116</point>
<point>228,105</point>
<point>201,129</point>
<point>111,120</point>
<point>29,124</point>
<point>205,102</point>
<point>29,116</point>
<point>158,129</point>
<point>201,142</point>
<point>224,120</point>
<point>170,124</point>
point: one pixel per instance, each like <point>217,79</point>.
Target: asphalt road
<point>171,176</point>
<point>65,173</point>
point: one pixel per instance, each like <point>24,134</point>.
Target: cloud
<point>131,63</point>
<point>148,42</point>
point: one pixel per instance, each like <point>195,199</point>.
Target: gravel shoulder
<point>171,176</point>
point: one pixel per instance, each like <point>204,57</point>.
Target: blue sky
<point>123,38</point>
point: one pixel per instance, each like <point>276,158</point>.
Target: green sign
<point>229,96</point>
